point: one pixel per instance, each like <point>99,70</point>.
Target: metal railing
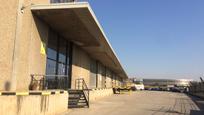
<point>44,82</point>
<point>67,1</point>
<point>80,84</point>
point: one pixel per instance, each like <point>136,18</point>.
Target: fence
<point>197,88</point>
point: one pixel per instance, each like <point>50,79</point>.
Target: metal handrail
<point>43,82</point>
<point>81,84</point>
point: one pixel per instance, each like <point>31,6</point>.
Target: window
<point>51,55</point>
<point>61,69</point>
<point>61,1</point>
<point>52,47</point>
<point>62,50</point>
<point>51,67</point>
<point>62,57</point>
<point>58,57</point>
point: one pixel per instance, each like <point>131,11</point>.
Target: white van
<point>139,86</point>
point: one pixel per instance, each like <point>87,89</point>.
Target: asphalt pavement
<point>144,103</point>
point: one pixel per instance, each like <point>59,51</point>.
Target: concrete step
<point>76,95</point>
<point>71,98</point>
<point>75,91</point>
<point>77,99</point>
<point>77,106</point>
<point>77,103</point>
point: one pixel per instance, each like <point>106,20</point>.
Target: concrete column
<point>16,45</point>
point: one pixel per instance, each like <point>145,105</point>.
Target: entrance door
<point>58,62</point>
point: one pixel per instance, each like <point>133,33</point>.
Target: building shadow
<point>197,107</point>
<point>165,111</point>
<point>199,103</point>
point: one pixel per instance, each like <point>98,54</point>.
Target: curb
<point>31,93</point>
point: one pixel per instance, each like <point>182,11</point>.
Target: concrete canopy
<point>77,23</point>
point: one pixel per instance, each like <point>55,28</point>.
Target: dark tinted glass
<point>62,50</point>
<point>57,61</point>
<point>61,1</point>
<point>52,46</point>
<point>61,69</point>
<point>51,67</point>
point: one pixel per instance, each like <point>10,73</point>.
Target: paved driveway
<point>143,103</point>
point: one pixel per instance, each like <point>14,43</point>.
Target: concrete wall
<point>96,94</point>
<point>8,11</point>
<point>26,105</point>
<point>81,69</point>
<point>40,1</point>
<point>108,79</point>
<point>113,80</point>
<point>29,59</point>
<point>99,76</point>
<point>80,65</point>
<point>39,39</point>
<point>21,37</point>
<point>118,83</point>
<point>28,56</point>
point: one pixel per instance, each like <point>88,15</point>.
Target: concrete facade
<point>25,28</point>
<point>96,94</point>
<point>23,35</point>
<point>8,30</point>
<point>80,66</point>
<point>81,69</point>
<point>26,105</point>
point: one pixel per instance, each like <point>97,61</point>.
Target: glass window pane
<point>51,67</point>
<point>61,1</point>
<point>62,51</point>
<point>68,52</point>
<point>52,54</point>
<point>52,46</point>
<point>61,69</point>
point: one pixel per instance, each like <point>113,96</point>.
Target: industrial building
<point>161,84</point>
<point>166,82</point>
<point>53,44</point>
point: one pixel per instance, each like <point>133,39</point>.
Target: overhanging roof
<point>77,22</point>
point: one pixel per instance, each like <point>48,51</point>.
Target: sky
<point>155,38</point>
